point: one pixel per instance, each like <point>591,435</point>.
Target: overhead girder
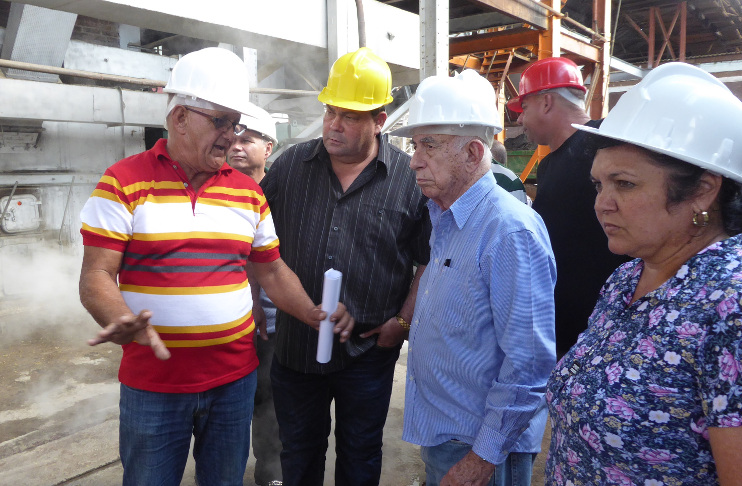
<point>541,33</point>
<point>526,11</point>
<point>516,38</point>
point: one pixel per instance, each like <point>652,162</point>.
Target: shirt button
<point>436,260</point>
<point>329,257</point>
<point>175,167</point>
<point>185,184</point>
<point>426,292</point>
<point>381,211</point>
<point>335,228</point>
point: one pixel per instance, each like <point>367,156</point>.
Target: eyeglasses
<point>220,123</point>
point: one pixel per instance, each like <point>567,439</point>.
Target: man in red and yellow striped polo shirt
<point>168,234</point>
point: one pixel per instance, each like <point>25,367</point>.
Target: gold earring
<point>704,219</point>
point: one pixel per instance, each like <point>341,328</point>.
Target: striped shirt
<point>507,179</point>
<point>372,233</point>
<point>481,343</point>
<point>184,258</point>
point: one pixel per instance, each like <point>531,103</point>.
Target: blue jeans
<point>515,471</point>
<point>361,393</point>
<point>155,434</point>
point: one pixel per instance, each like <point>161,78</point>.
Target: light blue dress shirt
<point>482,344</point>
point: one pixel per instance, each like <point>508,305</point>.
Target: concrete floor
<point>59,411</point>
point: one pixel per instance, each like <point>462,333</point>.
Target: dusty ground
<point>59,410</point>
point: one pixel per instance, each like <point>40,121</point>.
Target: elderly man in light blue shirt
<point>481,342</point>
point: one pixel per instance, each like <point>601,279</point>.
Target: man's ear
<point>474,154</point>
<point>380,120</point>
<point>268,149</point>
<point>179,119</point>
<point>548,102</point>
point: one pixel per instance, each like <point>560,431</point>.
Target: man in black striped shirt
<point>347,201</point>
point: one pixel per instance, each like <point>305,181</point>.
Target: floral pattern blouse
<point>631,402</point>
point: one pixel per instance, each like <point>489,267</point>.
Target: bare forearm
<point>254,285</point>
<point>285,290</point>
<point>726,442</point>
<point>100,295</point>
<point>408,307</point>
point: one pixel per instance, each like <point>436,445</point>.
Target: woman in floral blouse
<point>651,393</point>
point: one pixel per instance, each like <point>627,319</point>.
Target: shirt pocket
<point>383,227</point>
<point>458,282</point>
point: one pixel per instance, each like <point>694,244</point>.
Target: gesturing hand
<point>130,328</point>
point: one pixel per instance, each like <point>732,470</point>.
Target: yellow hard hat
<point>359,81</point>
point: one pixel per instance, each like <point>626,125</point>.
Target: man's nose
<point>415,161</point>
<point>335,123</point>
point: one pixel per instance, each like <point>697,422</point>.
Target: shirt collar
<point>320,152</point>
<point>464,206</point>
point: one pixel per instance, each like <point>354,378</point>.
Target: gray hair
<point>192,101</point>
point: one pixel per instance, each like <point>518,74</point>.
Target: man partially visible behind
<point>346,201</point>
<point>552,98</point>
<point>481,343</point>
<point>505,177</point>
<point>248,154</point>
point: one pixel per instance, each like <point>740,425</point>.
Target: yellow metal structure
<point>501,51</point>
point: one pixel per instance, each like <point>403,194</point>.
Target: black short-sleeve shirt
<point>372,233</point>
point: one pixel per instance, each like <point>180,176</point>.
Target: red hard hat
<point>552,72</point>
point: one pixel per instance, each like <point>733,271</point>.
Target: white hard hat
<point>260,121</point>
<point>684,112</point>
<point>463,104</point>
<point>213,74</point>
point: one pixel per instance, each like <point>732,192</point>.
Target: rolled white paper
<point>330,297</point>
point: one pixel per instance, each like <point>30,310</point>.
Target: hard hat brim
<point>514,104</point>
<point>352,105</point>
<point>409,130</point>
<point>685,158</point>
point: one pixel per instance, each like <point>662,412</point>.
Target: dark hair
<point>730,202</point>
<point>374,113</point>
<point>684,181</point>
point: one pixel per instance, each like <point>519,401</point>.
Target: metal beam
<point>507,39</point>
<point>30,100</point>
<point>337,28</point>
<point>525,11</point>
<point>585,50</point>
<point>479,21</point>
<point>598,107</point>
<point>49,179</point>
<point>624,66</point>
<point>278,27</point>
<point>434,43</point>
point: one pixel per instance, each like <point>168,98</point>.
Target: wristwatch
<point>405,325</point>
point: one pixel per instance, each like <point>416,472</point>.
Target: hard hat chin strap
<point>567,95</point>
